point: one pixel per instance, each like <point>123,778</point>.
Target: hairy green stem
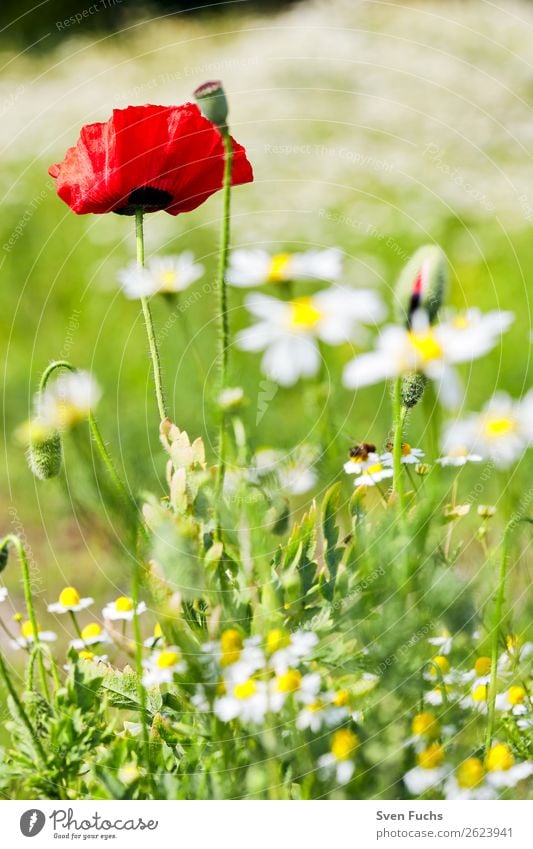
<point>399,419</point>
<point>39,750</point>
<point>496,628</point>
<point>148,321</point>
<point>223,310</point>
<point>141,690</point>
<point>26,582</point>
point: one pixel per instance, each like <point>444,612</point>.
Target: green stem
<point>399,419</point>
<point>75,623</point>
<point>15,541</point>
<point>141,691</point>
<point>148,321</point>
<point>496,628</point>
<point>223,310</point>
<point>39,751</point>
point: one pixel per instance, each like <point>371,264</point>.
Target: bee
<point>361,451</point>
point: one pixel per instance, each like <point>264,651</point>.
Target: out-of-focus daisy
<point>516,650</point>
<point>340,758</point>
<point>239,659</point>
<point>410,456</point>
<point>429,771</point>
<point>502,770</point>
<point>304,688</point>
<point>67,400</point>
<point>156,637</point>
<point>287,650</point>
<point>438,669</point>
<point>122,608</point>
<point>27,637</point>
<point>3,594</point>
<point>162,665</point>
<point>288,330</point>
<point>246,700</point>
<point>477,698</point>
<point>323,712</point>
<point>501,431</point>
<point>425,724</point>
<point>480,671</point>
<point>374,474</point>
<point>515,700</point>
<point>163,275</point>
<point>91,635</point>
<point>468,782</point>
<point>458,456</point>
<point>443,642</point>
<point>70,602</point>
<point>231,398</point>
<point>256,267</point>
<point>294,472</point>
<point>92,657</point>
<point>432,350</point>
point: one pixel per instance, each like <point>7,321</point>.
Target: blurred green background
<point>374,127</point>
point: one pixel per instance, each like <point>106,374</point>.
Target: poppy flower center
<point>148,198</point>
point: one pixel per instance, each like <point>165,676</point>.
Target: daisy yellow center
<point>482,666</point>
<point>461,321</point>
<point>278,268</point>
<point>480,693</point>
<point>90,631</point>
<point>343,744</point>
<point>373,470</point>
<point>168,280</point>
<point>276,639</point>
<point>512,641</point>
<point>289,682</point>
<point>499,758</point>
<point>86,655</point>
<point>425,724</point>
<point>426,345</point>
<point>304,313</point>
<point>442,662</point>
<point>245,690</point>
<point>157,631</point>
<point>69,597</point>
<point>341,699</point>
<point>123,604</point>
<point>406,449</point>
<point>494,428</point>
<point>231,646</point>
<point>316,706</point>
<point>516,695</point>
<point>470,773</point>
<point>167,659</point>
<point>432,757</point>
<point>26,629</point>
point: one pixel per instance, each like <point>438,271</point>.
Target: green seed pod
<point>422,284</point>
<point>412,389</point>
<point>45,456</point>
<point>211,99</point>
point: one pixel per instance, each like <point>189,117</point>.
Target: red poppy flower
<point>154,157</point>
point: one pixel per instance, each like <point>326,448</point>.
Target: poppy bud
<point>211,99</point>
<point>422,284</point>
<point>45,455</point>
<point>4,554</point>
<point>412,389</point>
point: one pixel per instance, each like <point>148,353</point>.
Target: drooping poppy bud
<point>45,455</point>
<point>211,99</point>
<point>422,284</point>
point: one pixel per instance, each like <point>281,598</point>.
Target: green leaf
<point>332,552</point>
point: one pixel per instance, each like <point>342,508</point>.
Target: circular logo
<point>32,822</point>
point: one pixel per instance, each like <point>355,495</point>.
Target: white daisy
<point>3,594</point>
<point>288,330</point>
<point>429,771</point>
<point>515,700</point>
<point>256,267</point>
<point>156,637</point>
<point>304,688</point>
<point>27,638</point>
<point>67,400</point>
<point>286,651</point>
<point>239,659</point>
<point>322,713</point>
<point>164,275</point>
<point>122,608</point>
<point>468,782</point>
<point>362,457</point>
<point>162,665</point>
<point>91,635</point>
<point>410,456</point>
<point>374,474</point>
<point>294,472</point>
<point>429,350</point>
<point>501,431</point>
<point>245,700</point>
<point>70,601</point>
<point>340,759</point>
<point>443,642</point>
<point>458,456</point>
<point>502,770</point>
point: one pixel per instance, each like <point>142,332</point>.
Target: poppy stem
<point>26,582</point>
<point>223,308</point>
<point>148,321</point>
<point>23,716</point>
<point>399,419</point>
